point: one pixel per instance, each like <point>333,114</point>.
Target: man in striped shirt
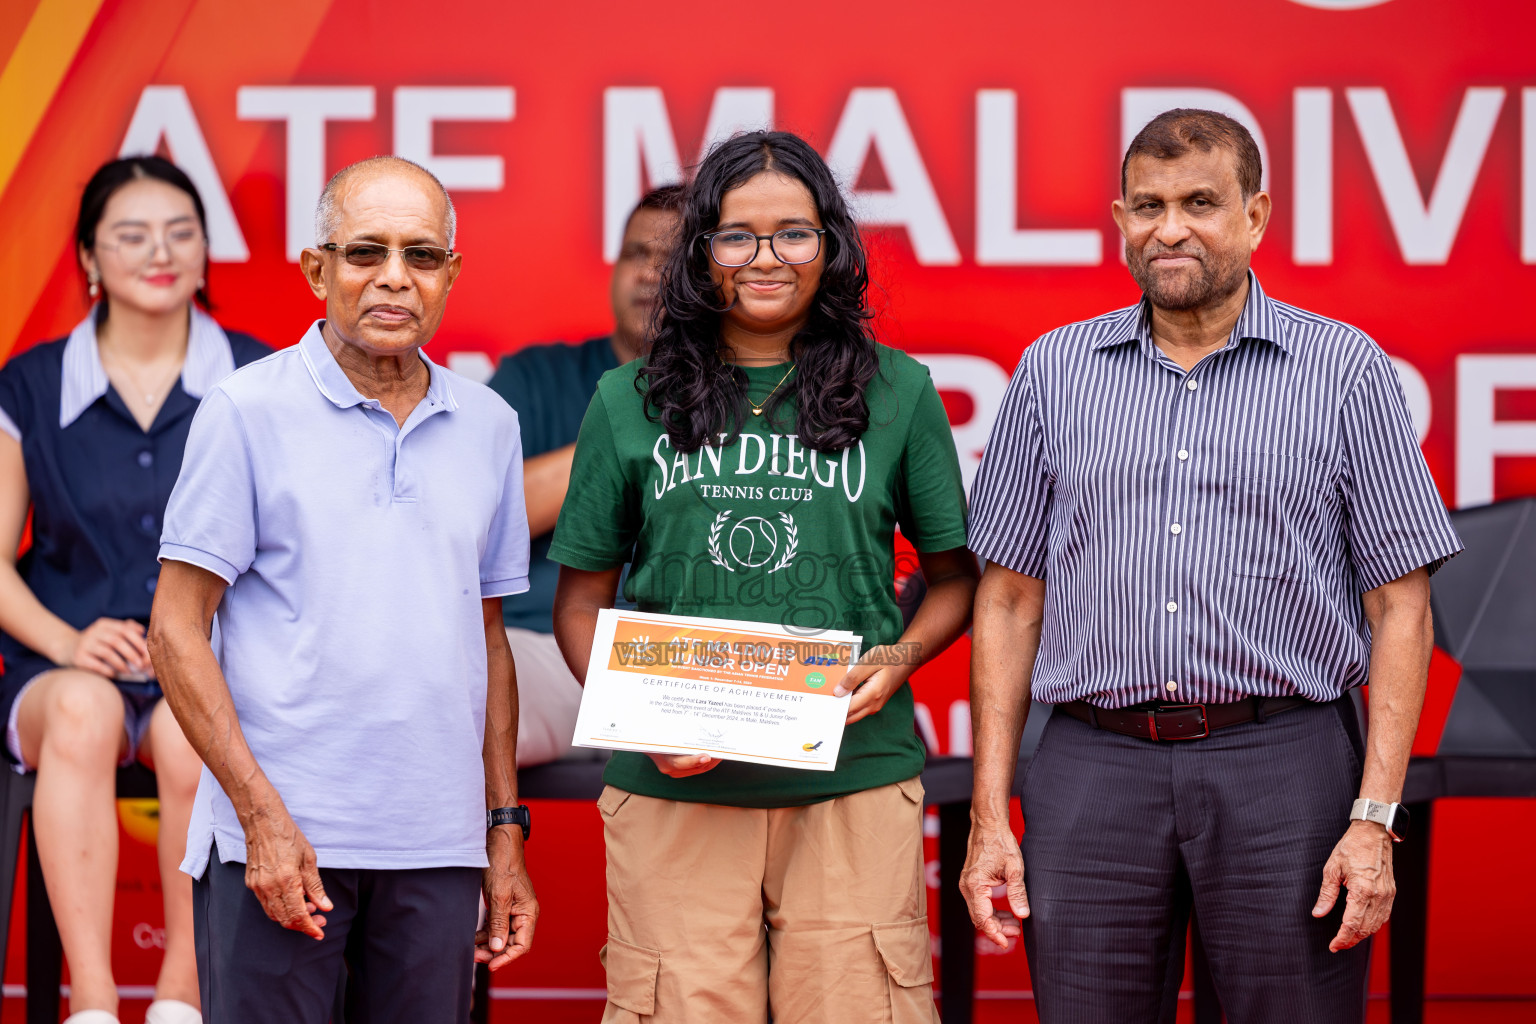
<point>1206,519</point>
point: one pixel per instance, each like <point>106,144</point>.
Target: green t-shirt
<point>767,530</point>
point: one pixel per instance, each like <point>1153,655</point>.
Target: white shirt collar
<point>209,360</point>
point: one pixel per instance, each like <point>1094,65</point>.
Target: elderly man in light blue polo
<point>353,514</point>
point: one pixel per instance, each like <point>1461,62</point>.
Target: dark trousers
<point>407,937</point>
<point>1123,835</point>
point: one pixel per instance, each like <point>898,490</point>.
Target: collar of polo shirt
<point>334,384</point>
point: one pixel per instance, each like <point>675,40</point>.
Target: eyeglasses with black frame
<point>736,248</point>
<point>374,254</point>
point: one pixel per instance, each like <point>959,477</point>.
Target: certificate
<point>742,691</point>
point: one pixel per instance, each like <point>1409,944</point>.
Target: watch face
<point>1397,822</point>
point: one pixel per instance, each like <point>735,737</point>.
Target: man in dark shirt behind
<point>550,386</point>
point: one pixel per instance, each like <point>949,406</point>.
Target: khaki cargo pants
<point>725,915</point>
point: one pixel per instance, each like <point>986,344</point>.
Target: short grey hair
<point>328,210</point>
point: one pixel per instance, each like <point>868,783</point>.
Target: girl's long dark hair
<point>688,389</point>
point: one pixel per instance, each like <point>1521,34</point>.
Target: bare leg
<point>177,768</point>
<point>71,728</point>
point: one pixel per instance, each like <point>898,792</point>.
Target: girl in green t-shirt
<point>756,467</point>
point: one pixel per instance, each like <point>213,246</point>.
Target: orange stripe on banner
<point>208,46</point>
<point>31,77</point>
<point>270,51</point>
<point>15,15</point>
<point>82,128</point>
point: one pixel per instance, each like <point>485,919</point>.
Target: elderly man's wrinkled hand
<point>511,909</point>
<point>993,859</point>
<point>280,868</point>
<point>1362,864</point>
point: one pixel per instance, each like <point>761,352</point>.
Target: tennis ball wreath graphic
<point>753,541</point>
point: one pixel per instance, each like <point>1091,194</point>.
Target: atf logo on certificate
<point>742,691</point>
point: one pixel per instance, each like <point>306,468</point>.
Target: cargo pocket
<point>908,958</point>
<point>611,800</point>
<point>632,973</point>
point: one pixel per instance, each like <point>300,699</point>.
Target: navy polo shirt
<point>99,482</point>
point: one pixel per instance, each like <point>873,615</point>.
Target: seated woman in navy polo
<point>92,428</point>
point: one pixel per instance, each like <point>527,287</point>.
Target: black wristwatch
<point>510,816</point>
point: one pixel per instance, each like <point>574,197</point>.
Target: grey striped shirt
<point>1206,536</point>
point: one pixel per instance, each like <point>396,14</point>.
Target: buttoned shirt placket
<point>339,390</point>
<point>84,382</point>
<point>402,485</point>
<point>1189,403</point>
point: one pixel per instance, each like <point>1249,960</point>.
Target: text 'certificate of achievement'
<point>742,691</point>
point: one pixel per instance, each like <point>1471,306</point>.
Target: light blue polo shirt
<point>357,553</point>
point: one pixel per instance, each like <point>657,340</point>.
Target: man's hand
<point>1361,863</point>
<point>280,869</point>
<point>993,859</point>
<point>871,684</point>
<point>680,766</point>
<point>511,907</point>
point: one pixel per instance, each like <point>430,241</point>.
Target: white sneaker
<point>171,1011</point>
<point>91,1017</point>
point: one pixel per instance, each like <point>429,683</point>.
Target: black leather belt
<point>1179,721</point>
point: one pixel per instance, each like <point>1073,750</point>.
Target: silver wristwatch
<point>1393,817</point>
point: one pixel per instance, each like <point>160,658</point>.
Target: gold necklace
<point>133,378</point>
<point>757,408</point>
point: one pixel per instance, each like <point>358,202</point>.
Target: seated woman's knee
<point>83,714</point>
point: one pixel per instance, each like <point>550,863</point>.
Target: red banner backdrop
<point>982,142</point>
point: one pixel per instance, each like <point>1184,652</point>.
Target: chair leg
<point>1410,919</point>
<point>480,1008</point>
<point>15,798</point>
<point>957,936</point>
<point>45,953</point>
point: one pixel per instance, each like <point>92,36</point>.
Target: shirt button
<point>1173,606</point>
<point>146,458</point>
<point>1183,455</point>
<point>1172,686</point>
<point>147,522</point>
<point>1192,384</point>
<point>150,583</point>
<point>1175,529</point>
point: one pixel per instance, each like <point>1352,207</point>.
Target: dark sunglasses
<point>373,254</point>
